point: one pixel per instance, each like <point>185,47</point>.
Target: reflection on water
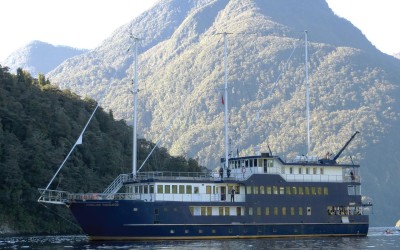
<point>378,238</point>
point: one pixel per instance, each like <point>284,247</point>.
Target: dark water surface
<point>378,238</point>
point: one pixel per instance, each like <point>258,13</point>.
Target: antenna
<point>307,95</point>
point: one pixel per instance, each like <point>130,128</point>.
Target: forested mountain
<point>353,86</point>
<point>39,124</point>
<point>40,57</point>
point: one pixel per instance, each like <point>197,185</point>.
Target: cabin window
<point>259,211</point>
<point>321,170</point>
<point>251,163</point>
<point>313,191</point>
<point>326,191</point>
<point>221,211</point>
<point>136,189</point>
<point>141,189</point>
<point>188,189</point>
<point>294,190</point>
<point>291,170</point>
<point>209,211</point>
<point>246,163</point>
<point>250,211</point>
<point>300,211</point>
<point>160,189</point>
<point>284,211</point>
<point>269,191</point>
<point>292,211</point>
<point>151,189</point>
<point>167,189</point>
<point>237,189</point>
<point>255,162</point>
<point>314,170</point>
<point>270,164</point>
<point>307,190</point>
<point>208,189</point>
<point>174,189</point>
<point>267,211</point>
<point>299,170</point>
<point>288,191</point>
<point>301,192</point>
<point>203,211</point>
<point>275,189</point>
<point>319,189</point>
<point>307,171</point>
<point>191,209</point>
<point>248,189</point>
<point>196,190</point>
<point>181,189</point>
<point>227,211</point>
<point>255,189</point>
<point>276,211</point>
<point>262,190</point>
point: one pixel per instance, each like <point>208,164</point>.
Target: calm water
<point>377,239</point>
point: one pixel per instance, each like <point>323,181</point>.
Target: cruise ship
<point>255,196</point>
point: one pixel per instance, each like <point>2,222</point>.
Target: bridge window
<point>167,189</point>
<point>151,189</point>
<point>255,162</point>
<point>251,163</point>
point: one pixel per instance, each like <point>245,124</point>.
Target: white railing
<point>116,184</point>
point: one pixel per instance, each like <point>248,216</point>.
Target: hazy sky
<point>86,23</point>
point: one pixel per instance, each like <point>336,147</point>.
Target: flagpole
<point>226,103</point>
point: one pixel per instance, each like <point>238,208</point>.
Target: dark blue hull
<point>117,220</point>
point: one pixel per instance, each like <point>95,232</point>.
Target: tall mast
<point>226,103</point>
<point>307,95</point>
<point>135,93</point>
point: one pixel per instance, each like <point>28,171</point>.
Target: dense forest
<point>39,124</point>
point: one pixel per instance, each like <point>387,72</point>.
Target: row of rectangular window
<point>300,170</point>
<point>180,189</point>
<point>287,190</point>
<point>225,211</point>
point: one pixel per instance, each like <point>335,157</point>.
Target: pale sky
<point>86,23</point>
